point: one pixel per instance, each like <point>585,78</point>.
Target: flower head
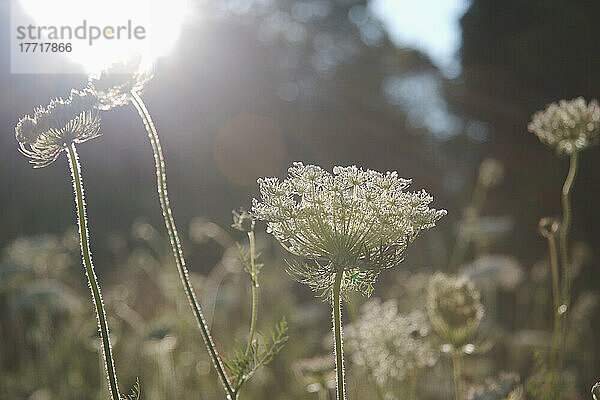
<point>568,126</point>
<point>113,85</point>
<point>491,172</point>
<point>454,308</point>
<point>43,135</point>
<point>353,220</point>
<point>392,346</point>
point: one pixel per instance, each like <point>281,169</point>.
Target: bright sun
<point>161,21</point>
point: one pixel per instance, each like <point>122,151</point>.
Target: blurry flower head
<point>354,220</point>
<point>491,172</point>
<point>390,345</point>
<point>494,270</point>
<point>568,126</point>
<point>243,220</point>
<point>454,308</point>
<point>114,85</point>
<point>505,387</point>
<point>317,373</point>
<point>45,134</point>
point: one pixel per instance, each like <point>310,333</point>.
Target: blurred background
<point>431,89</point>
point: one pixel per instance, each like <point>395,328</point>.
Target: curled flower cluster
<point>454,308</point>
<point>392,346</point>
<point>113,85</point>
<point>568,126</point>
<point>353,220</point>
<point>45,134</point>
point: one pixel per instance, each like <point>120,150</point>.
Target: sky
<point>431,26</point>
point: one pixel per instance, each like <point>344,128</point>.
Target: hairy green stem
<point>564,250</point>
<point>86,254</point>
<point>457,370</point>
<point>161,178</point>
<point>337,336</point>
<point>254,277</point>
<point>566,226</point>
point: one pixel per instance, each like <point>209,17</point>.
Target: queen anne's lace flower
<point>454,308</point>
<point>390,345</point>
<point>568,126</point>
<point>114,85</point>
<point>49,131</point>
<point>353,220</point>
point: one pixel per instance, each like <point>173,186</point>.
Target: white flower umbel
<point>349,226</point>
<point>393,347</point>
<point>568,126</point>
<point>122,84</point>
<point>354,221</point>
<point>42,137</point>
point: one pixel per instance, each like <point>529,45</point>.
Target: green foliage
<point>134,392</point>
<point>544,383</point>
<point>243,364</point>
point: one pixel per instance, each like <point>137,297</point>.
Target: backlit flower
<point>568,126</point>
<point>45,134</point>
<point>354,220</point>
<point>113,85</point>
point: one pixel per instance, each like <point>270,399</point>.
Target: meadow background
<point>249,88</point>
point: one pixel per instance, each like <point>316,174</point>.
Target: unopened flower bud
<point>548,227</point>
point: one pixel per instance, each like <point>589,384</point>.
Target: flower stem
<point>161,179</point>
<point>86,254</point>
<point>337,335</point>
<point>553,252</point>
<point>254,277</point>
<point>564,249</point>
<point>457,369</point>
